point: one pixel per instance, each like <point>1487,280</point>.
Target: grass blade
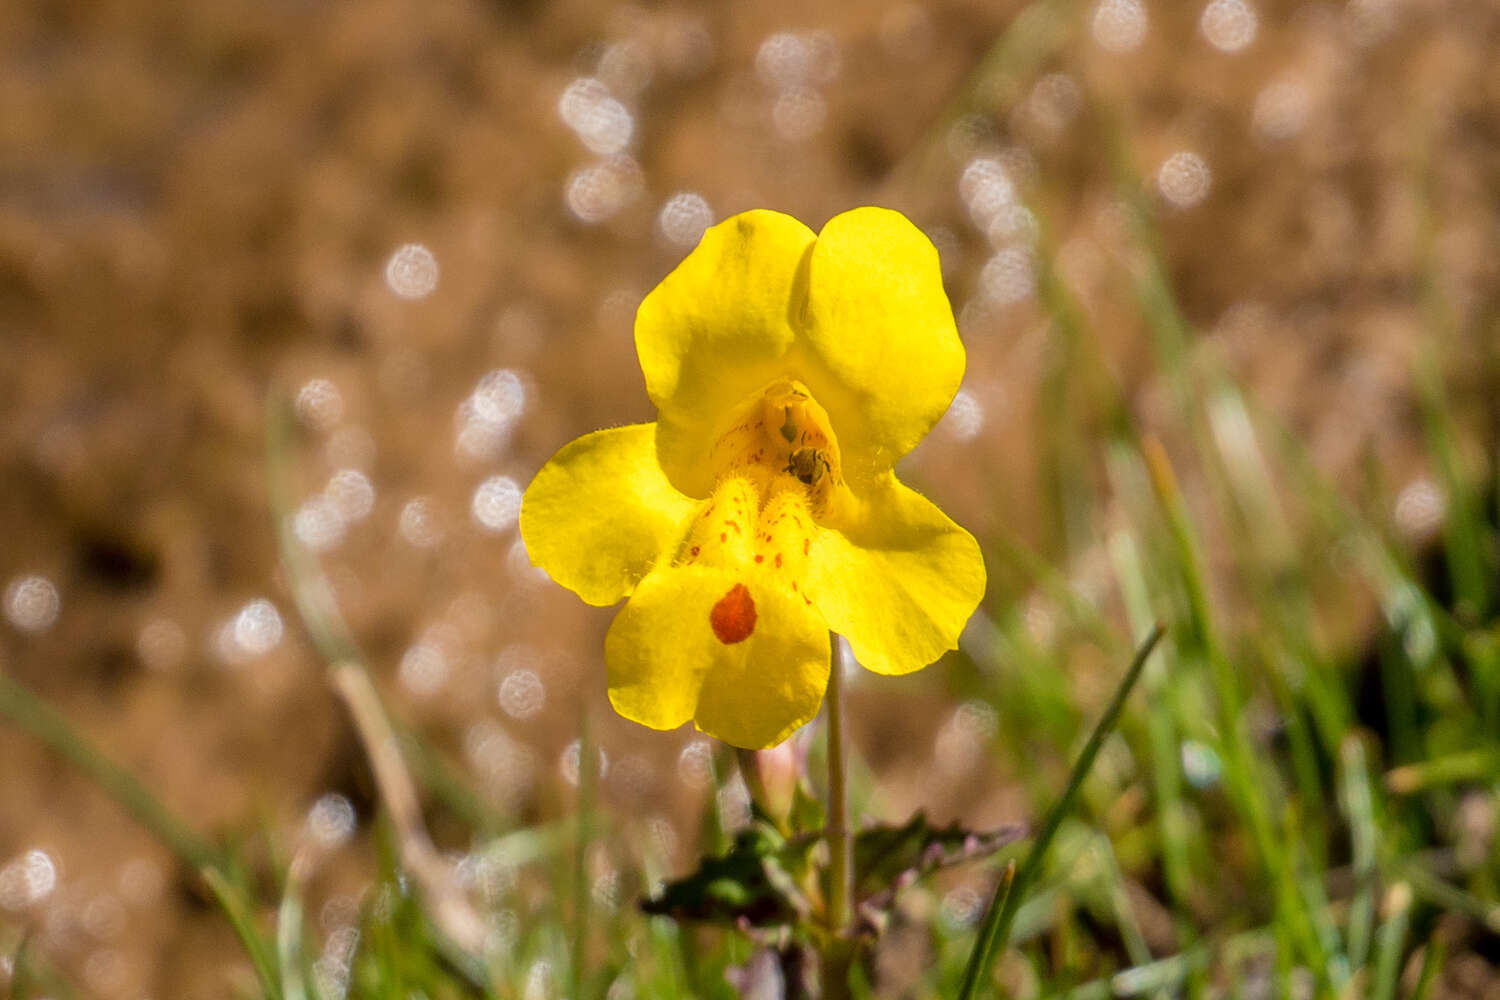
<point>237,909</point>
<point>32,975</point>
<point>289,933</point>
<point>1434,956</point>
<point>450,909</point>
<point>588,780</point>
<point>48,726</point>
<point>995,929</point>
<point>1391,941</point>
<point>1357,799</point>
<point>1161,728</point>
<point>1244,779</point>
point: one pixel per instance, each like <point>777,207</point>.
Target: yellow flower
<point>790,371</point>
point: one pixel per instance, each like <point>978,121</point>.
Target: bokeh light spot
<point>965,417</point>
<point>412,272</point>
<point>32,603</point>
<point>626,67</point>
<point>1120,25</point>
<point>256,629</point>
<point>27,880</point>
<point>319,405</point>
<point>1281,110</point>
<point>424,668</point>
<point>798,113</point>
<point>1008,277</point>
<point>1229,25</point>
<point>986,189</point>
<point>331,820</point>
<point>522,694</point>
<point>318,524</point>
<point>1184,179</point>
<point>695,764</point>
<point>351,493</point>
<point>597,192</point>
<point>684,217</point>
<point>1054,102</point>
<point>419,524</point>
<point>785,60</point>
<point>1420,508</point>
<point>601,122</point>
<point>497,504</point>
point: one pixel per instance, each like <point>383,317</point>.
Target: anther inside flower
<point>760,510</point>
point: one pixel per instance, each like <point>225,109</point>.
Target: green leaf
<point>889,858</point>
<point>756,883</point>
<point>748,886</point>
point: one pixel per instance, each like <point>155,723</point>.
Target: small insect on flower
<point>760,511</point>
<point>808,464</point>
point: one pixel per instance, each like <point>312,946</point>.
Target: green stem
<point>838,953</point>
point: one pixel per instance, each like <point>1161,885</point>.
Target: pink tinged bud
<point>772,777</point>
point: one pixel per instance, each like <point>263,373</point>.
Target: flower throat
<point>777,474</point>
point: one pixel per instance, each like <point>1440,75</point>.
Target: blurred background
<point>425,228</point>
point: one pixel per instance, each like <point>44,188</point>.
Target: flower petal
<point>743,657</point>
<point>878,321</point>
<point>899,582</point>
<point>600,514</point>
<point>757,700</point>
<point>716,330</point>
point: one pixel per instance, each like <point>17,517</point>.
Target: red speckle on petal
<point>733,617</point>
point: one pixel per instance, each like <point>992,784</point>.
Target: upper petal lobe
<point>716,330</point>
<point>879,324</point>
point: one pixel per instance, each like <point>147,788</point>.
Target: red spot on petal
<point>806,543</point>
<point>760,559</point>
<point>733,617</point>
<point>778,560</point>
<point>723,536</point>
<point>694,550</point>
